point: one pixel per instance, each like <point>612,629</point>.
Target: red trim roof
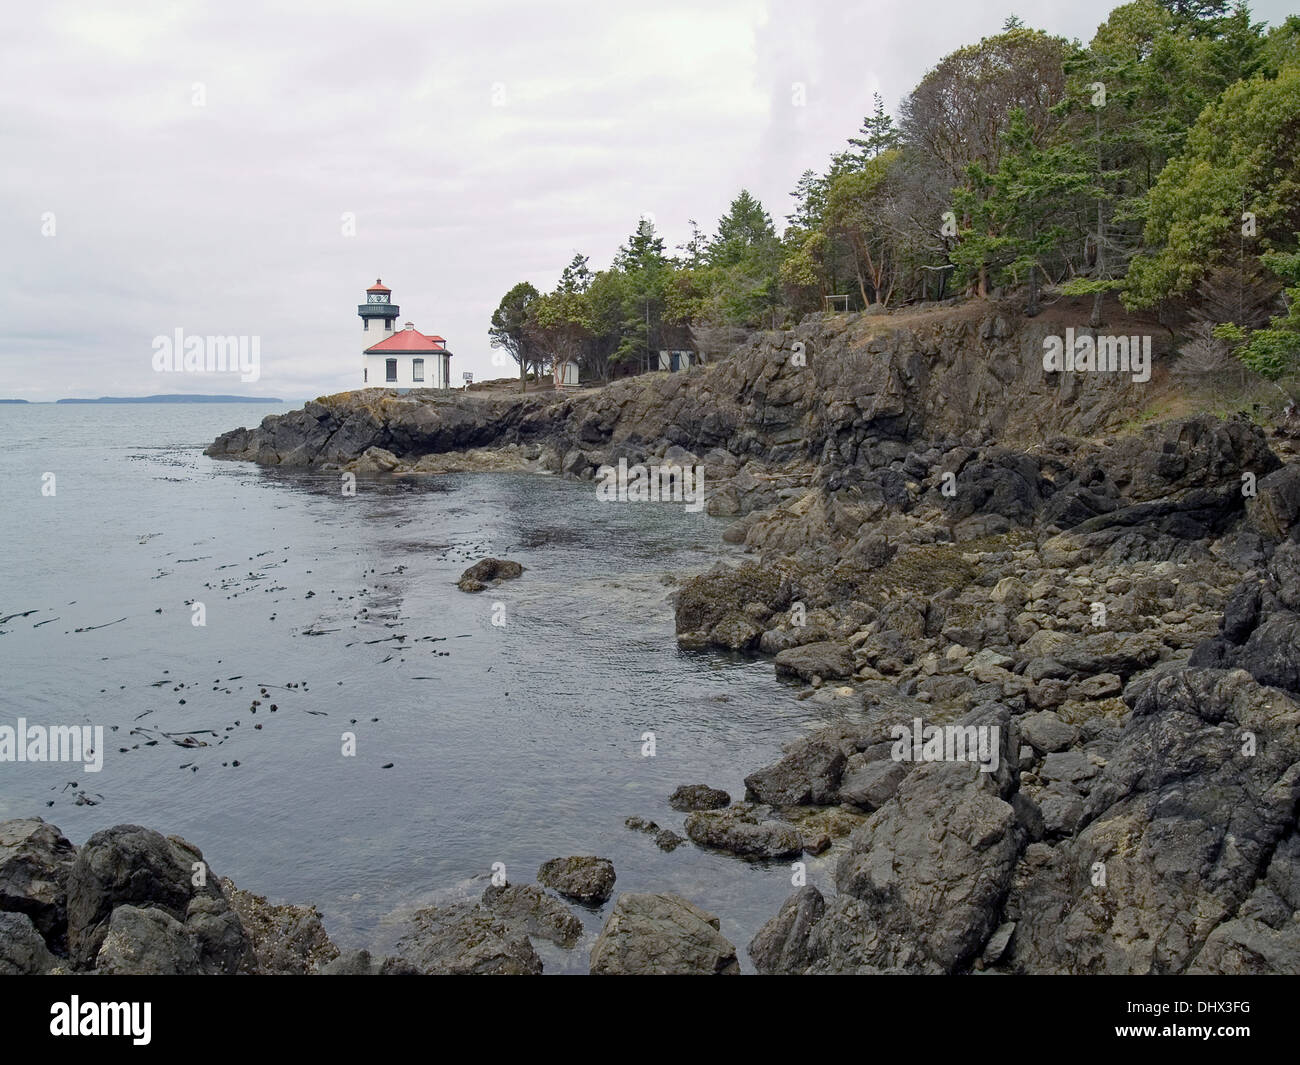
<point>379,286</point>
<point>407,342</point>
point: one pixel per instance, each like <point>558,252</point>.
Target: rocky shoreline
<point>946,543</point>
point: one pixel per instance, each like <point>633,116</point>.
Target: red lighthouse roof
<point>408,342</point>
<point>379,286</point>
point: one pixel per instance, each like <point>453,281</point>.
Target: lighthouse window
<point>390,369</point>
<point>417,369</point>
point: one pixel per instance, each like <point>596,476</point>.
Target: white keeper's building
<point>400,359</point>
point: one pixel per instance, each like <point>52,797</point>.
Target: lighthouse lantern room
<point>399,359</point>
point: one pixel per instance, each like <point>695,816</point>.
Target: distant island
<point>168,399</point>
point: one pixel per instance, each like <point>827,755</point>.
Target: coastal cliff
<point>943,536</point>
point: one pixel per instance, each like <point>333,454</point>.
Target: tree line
<point>1160,163</point>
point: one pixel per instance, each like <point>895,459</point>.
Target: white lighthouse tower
<point>377,314</point>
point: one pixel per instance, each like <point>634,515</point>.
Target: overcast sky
<point>477,144</point>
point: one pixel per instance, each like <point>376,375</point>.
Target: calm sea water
<point>508,743</point>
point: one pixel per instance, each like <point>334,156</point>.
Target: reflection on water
<point>326,614</point>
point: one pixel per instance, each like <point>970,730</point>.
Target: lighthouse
<point>399,359</point>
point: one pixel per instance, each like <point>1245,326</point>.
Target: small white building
<point>401,359</point>
<point>673,361</point>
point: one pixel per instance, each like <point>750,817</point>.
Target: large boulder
<point>783,944</point>
<point>809,773</point>
<point>739,831</point>
<point>827,659</point>
<point>582,877</point>
<point>146,942</point>
<point>698,797</point>
<point>35,860</point>
<point>130,865</point>
<point>529,908</point>
<point>1275,508</point>
<point>923,880</point>
<point>720,599</point>
<point>466,940</point>
<point>22,950</point>
<point>661,934</point>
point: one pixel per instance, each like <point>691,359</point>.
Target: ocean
<point>504,726</point>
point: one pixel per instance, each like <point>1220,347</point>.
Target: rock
<point>808,774</point>
<point>668,840</point>
<point>1260,630</point>
<point>1046,732</point>
<point>146,942</point>
<point>1068,766</point>
<point>661,934</point>
<point>1275,509</point>
<point>466,940</point>
<point>1102,686</point>
<point>871,783</point>
<point>998,943</point>
<point>1167,823</point>
<point>487,571</point>
<point>35,860</point>
<point>1123,653</point>
<point>583,878</point>
<point>1250,948</point>
<point>698,797</point>
<point>932,867</point>
<point>286,939</point>
<point>706,600</point>
<point>828,659</point>
<point>735,631</point>
<point>781,945</point>
<point>530,909</point>
<point>374,460</point>
<point>130,865</point>
<point>739,831</point>
<point>22,950</point>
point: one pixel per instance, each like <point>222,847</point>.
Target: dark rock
<point>529,908</point>
<point>661,934</point>
<point>739,831</point>
<point>698,797</point>
<point>486,571</point>
<point>146,942</point>
<point>1275,509</point>
<point>22,950</point>
<point>35,860</point>
<point>829,660</point>
<point>466,940</point>
<point>808,774</point>
<point>130,865</point>
<point>583,878</point>
<point>782,945</point>
<point>1169,848</point>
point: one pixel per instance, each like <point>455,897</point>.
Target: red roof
<point>408,342</point>
<point>379,286</point>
